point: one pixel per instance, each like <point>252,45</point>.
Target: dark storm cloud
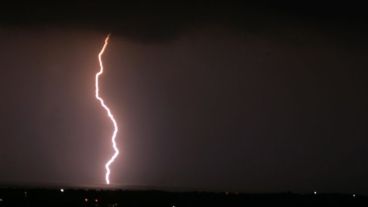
<point>157,21</point>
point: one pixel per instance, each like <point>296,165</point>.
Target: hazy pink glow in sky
<point>113,138</point>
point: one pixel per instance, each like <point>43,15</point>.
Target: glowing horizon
<point>113,137</point>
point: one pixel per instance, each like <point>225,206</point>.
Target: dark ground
<point>93,197</point>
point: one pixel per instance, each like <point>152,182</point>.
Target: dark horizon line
<point>168,189</point>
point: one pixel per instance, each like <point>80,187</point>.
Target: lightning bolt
<point>108,111</point>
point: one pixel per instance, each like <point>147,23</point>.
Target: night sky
<point>252,98</point>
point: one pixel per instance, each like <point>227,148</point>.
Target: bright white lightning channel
<point>108,111</point>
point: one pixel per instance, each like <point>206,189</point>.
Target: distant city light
<point>62,190</point>
<point>96,200</point>
<point>354,195</point>
<point>315,192</point>
<point>86,200</point>
<point>1,200</point>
